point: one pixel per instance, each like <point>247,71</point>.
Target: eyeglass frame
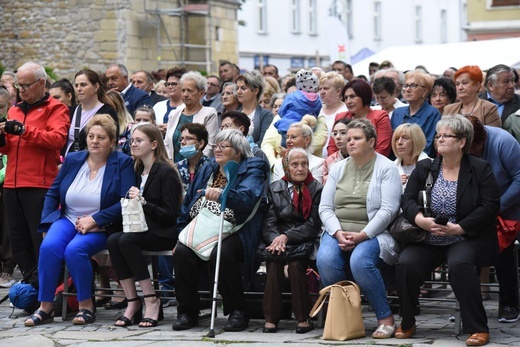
<point>25,86</point>
<point>446,136</point>
<point>220,147</point>
<point>412,86</point>
<point>171,84</point>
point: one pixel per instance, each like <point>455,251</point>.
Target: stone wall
<point>68,35</point>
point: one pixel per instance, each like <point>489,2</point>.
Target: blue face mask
<point>188,151</point>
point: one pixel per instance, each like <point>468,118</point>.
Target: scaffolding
<point>182,48</point>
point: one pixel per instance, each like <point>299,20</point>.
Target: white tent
<point>437,58</point>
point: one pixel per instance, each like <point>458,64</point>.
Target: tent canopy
<point>437,58</point>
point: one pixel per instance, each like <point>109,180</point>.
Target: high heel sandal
<point>138,315</point>
<point>151,321</point>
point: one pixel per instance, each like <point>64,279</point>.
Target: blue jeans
<point>361,265</point>
<point>63,242</point>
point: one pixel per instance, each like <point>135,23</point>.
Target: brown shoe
<point>405,334</point>
<point>478,339</point>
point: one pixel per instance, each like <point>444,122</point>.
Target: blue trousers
<point>361,265</point>
<point>63,242</point>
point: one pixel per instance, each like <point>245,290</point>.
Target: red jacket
<point>33,157</point>
<point>381,123</point>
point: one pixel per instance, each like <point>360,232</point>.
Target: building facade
<point>493,19</point>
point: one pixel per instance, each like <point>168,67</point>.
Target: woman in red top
<point>357,95</point>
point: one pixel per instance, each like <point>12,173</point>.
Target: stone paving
<point>434,329</point>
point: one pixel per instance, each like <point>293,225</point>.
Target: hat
<point>307,81</point>
<point>23,296</point>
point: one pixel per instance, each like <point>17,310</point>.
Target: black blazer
<point>163,195</point>
<point>478,202</point>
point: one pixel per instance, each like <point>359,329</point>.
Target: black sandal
<point>116,305</point>
<point>43,318</point>
<point>83,317</point>
<point>138,315</point>
<point>153,323</point>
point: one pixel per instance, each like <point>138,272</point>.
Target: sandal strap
<point>133,299</point>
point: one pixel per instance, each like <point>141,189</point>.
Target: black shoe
<point>237,321</point>
<point>270,330</point>
<point>508,314</point>
<point>116,305</point>
<point>184,322</point>
<point>303,330</point>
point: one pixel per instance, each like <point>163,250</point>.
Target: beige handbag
<point>344,320</point>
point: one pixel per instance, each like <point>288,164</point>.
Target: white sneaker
<point>6,280</point>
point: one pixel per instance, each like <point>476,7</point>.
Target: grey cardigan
<point>383,201</point>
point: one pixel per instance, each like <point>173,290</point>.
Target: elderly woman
<point>443,93</point>
<point>81,208</point>
<point>164,108</point>
<point>417,87</point>
<point>291,226</point>
<point>300,135</point>
<point>92,100</point>
<point>159,188</point>
<point>408,142</point>
<point>229,97</point>
<point>468,81</point>
<point>357,95</point>
<point>466,193</point>
<point>359,201</point>
<point>331,85</point>
<point>194,138</point>
<point>192,86</point>
<point>384,90</point>
<point>250,87</point>
<point>238,249</point>
<point>500,149</point>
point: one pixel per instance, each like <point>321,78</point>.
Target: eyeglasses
<point>220,147</point>
<point>213,84</point>
<point>227,126</point>
<point>137,141</point>
<point>227,93</point>
<point>25,86</point>
<point>171,84</point>
<point>412,86</point>
<point>446,136</point>
<point>187,138</point>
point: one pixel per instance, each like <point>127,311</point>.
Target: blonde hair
<point>107,123</point>
<point>115,100</point>
<point>416,135</point>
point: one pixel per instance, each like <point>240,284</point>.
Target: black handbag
<point>405,232</point>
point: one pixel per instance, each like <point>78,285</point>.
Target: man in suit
<point>117,76</point>
<point>500,90</point>
<point>212,96</point>
<point>144,80</point>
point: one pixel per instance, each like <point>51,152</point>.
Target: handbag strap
<point>326,291</point>
<point>75,144</point>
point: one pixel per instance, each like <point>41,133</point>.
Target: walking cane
<point>230,169</point>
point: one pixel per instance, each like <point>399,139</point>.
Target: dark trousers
<point>415,265</point>
<point>188,268</point>
<point>300,300</point>
<point>507,276</point>
<point>7,263</point>
<point>23,209</point>
<point>126,253</point>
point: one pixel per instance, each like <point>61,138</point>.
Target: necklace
<point>471,112</point>
<point>91,166</point>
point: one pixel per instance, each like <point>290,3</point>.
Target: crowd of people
<point>325,163</point>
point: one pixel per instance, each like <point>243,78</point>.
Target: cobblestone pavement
<point>434,329</point>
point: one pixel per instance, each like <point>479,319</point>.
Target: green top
<point>351,195</point>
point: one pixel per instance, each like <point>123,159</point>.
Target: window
<point>296,16</point>
<point>262,16</point>
<point>313,27</point>
<point>418,24</point>
<point>444,27</point>
<point>377,20</point>
<point>350,27</point>
<point>497,3</point>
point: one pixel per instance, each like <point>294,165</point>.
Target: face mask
<point>188,151</point>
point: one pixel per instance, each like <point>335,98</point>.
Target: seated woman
<point>408,142</point>
<point>466,192</point>
<point>291,226</point>
<point>194,138</point>
<point>339,134</point>
<point>359,201</point>
<point>300,135</point>
<point>81,208</point>
<point>159,187</point>
<point>443,93</point>
<point>238,249</point>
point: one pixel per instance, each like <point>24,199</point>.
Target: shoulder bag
<point>404,231</point>
<point>132,212</point>
<point>344,320</point>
